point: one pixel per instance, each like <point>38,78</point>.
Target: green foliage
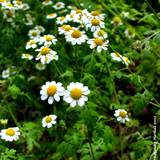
<point>91,132</point>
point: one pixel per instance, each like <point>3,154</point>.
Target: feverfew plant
<point>79,80</point>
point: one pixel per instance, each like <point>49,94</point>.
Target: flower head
<point>76,94</point>
<point>47,40</point>
<point>52,90</point>
<point>46,55</point>
<point>31,44</point>
<point>10,134</point>
<point>94,24</point>
<point>121,115</point>
<point>49,120</point>
<point>76,36</point>
<point>5,73</point>
<point>98,43</point>
<point>59,5</point>
<point>51,16</point>
<point>47,2</point>
<point>27,56</point>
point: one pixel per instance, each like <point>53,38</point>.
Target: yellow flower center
<point>52,15</point>
<point>31,42</point>
<point>78,11</point>
<point>76,34</point>
<point>9,5</point>
<point>71,15</point>
<point>48,38</point>
<point>62,18</point>
<point>34,34</point>
<point>45,50</point>
<point>9,14</point>
<point>122,114</point>
<point>76,93</point>
<point>95,13</point>
<point>2,1</point>
<point>98,41</point>
<point>48,119</point>
<point>116,20</point>
<point>67,28</point>
<point>51,90</point>
<point>59,5</point>
<point>95,22</point>
<point>117,54</point>
<point>10,132</point>
<point>101,32</point>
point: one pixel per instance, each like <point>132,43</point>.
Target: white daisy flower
<point>73,18</point>
<point>116,21</point>
<point>17,4</point>
<point>100,33</point>
<point>25,6</point>
<point>76,37</point>
<point>52,90</point>
<point>126,61</point>
<point>116,56</point>
<point>47,40</point>
<point>121,115</point>
<point>9,15</point>
<point>97,15</point>
<point>34,34</point>
<point>94,24</point>
<point>10,134</point>
<point>64,29</point>
<point>61,20</point>
<point>40,66</point>
<point>76,94</point>
<point>8,5</point>
<point>98,43</point>
<point>41,29</point>
<point>5,73</point>
<point>71,7</point>
<point>47,2</point>
<point>49,120</point>
<point>129,33</point>
<point>46,55</point>
<point>31,44</point>
<point>27,56</point>
<point>59,5</point>
<point>29,20</point>
<point>51,16</point>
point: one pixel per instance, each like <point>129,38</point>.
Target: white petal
<point>44,97</point>
<point>81,102</point>
<point>56,97</point>
<point>73,103</point>
<point>50,100</point>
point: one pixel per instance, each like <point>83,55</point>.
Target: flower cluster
<point>9,9</point>
<point>75,94</point>
<point>41,44</point>
<point>79,24</point>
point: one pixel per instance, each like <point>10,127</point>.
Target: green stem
<point>115,92</point>
<point>13,117</point>
<point>91,150</point>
